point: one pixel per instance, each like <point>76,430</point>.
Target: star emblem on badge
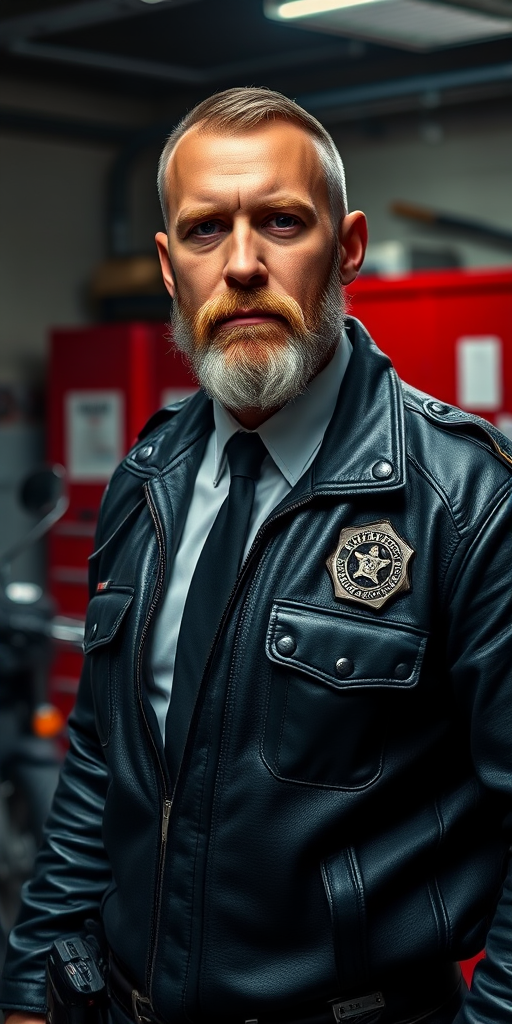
<point>370,564</point>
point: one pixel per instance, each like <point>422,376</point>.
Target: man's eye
<point>284,220</point>
<point>207,227</point>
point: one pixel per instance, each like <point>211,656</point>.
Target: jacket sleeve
<point>71,871</point>
<point>480,653</point>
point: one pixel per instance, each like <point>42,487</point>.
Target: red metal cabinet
<point>105,382</point>
<point>448,333</point>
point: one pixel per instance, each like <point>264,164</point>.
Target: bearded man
<point>288,795</point>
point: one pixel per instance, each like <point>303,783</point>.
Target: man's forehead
<point>266,160</point>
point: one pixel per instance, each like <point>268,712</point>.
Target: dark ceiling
<point>177,52</point>
<point>174,53</point>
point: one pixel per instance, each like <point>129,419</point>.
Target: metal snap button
<point>440,408</point>
<point>286,645</point>
<point>382,470</point>
<point>402,671</point>
<point>145,452</point>
<point>344,667</point>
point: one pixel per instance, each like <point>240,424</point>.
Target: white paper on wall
<point>170,395</point>
<point>504,423</point>
<point>479,373</point>
<point>94,424</point>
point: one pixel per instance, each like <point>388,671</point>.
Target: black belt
<point>421,994</point>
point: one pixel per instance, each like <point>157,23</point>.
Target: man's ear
<point>162,245</point>
<point>353,239</point>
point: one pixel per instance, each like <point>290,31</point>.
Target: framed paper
<point>94,425</point>
<point>479,373</point>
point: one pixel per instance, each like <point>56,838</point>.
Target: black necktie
<point>210,587</point>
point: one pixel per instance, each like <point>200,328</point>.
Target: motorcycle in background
<point>30,727</point>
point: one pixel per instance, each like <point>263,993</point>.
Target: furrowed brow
<point>191,216</point>
<point>282,201</point>
<point>288,200</point>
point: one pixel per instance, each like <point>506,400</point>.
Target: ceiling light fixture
<point>306,8</point>
<point>409,24</point>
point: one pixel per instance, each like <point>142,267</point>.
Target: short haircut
<point>245,108</point>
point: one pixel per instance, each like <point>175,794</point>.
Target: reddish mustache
<point>253,311</point>
<point>236,303</point>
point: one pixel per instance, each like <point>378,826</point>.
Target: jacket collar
<point>363,448</point>
<point>364,444</point>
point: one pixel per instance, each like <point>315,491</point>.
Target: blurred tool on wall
<point>452,222</point>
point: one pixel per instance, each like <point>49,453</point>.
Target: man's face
<point>251,258</point>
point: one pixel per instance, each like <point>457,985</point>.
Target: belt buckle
<point>353,1008</point>
<point>137,1001</point>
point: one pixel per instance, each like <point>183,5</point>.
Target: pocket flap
<point>343,649</point>
<point>105,614</point>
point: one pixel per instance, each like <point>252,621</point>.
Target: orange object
<point>47,721</point>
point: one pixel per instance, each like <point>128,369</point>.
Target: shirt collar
<point>293,435</point>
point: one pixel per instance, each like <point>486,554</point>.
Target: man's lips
<point>247,317</point>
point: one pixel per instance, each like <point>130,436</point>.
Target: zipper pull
<point>165,818</point>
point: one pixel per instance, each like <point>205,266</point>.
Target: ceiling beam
<point>347,102</point>
<point>183,74</point>
<point>75,16</point>
<point>113,62</point>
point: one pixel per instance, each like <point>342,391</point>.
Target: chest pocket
<point>335,679</point>
<point>102,641</point>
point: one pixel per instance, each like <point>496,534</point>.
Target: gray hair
<point>245,108</point>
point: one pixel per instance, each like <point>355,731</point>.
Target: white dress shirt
<point>292,437</point>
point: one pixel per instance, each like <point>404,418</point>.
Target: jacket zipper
<point>167,802</point>
<point>245,568</point>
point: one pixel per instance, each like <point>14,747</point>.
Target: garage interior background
<point>415,92</point>
<point>81,82</point>
<point>417,95</point>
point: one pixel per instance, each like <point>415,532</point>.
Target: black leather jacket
<point>326,832</point>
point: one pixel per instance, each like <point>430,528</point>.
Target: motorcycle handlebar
<point>68,631</point>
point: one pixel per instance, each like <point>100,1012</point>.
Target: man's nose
<point>245,266</point>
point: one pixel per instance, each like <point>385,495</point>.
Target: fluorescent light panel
<point>410,24</point>
<point>305,8</point>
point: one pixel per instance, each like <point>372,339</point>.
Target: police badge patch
<point>370,564</point>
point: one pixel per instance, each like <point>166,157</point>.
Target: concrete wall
<point>52,230</point>
<point>452,162</point>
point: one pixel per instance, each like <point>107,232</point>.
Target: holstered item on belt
<point>420,994</point>
<point>76,992</point>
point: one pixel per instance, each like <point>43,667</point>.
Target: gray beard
<point>287,370</point>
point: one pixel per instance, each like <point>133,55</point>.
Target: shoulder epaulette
<point>451,418</point>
